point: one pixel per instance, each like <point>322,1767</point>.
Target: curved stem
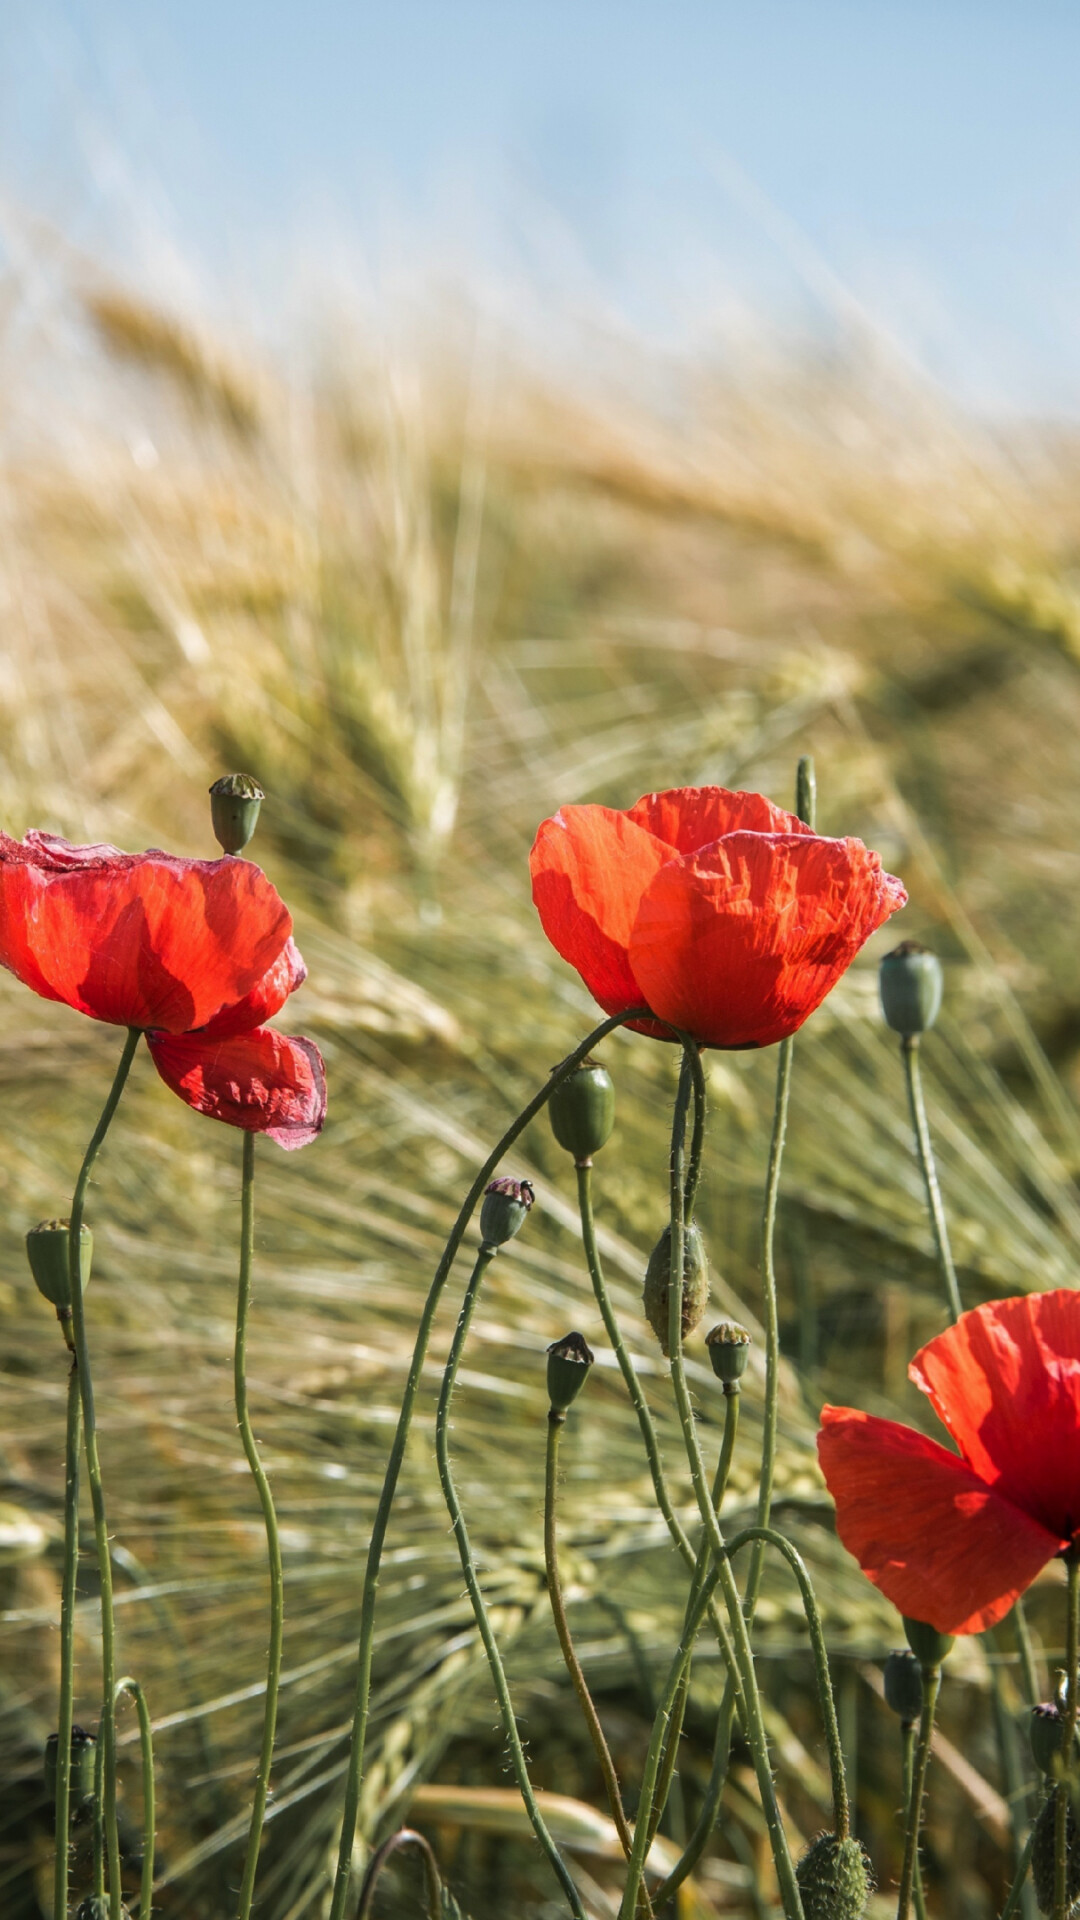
<point>771,1409</point>
<point>66,1714</point>
<point>93,1468</point>
<point>273,1544</point>
<point>556,1422</point>
<point>769,1537</point>
<point>354,1770</point>
<point>404,1837</point>
<point>146,1885</point>
<point>710,1809</point>
<point>909,1052</point>
<point>1068,1737</point>
<point>931,1679</point>
<point>468,1568</point>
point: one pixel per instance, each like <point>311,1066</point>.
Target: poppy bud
<point>81,1776</point>
<point>569,1360</point>
<point>505,1210</point>
<point>695,1292</point>
<point>729,1351</point>
<point>927,1644</point>
<point>910,983</point>
<point>1042,1856</point>
<point>834,1879</point>
<point>47,1249</point>
<point>235,800</point>
<point>582,1110</point>
<point>902,1675</point>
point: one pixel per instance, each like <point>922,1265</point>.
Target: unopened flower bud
<point>695,1291</point>
<point>910,983</point>
<point>1042,1856</point>
<point>235,800</point>
<point>834,1879</point>
<point>569,1360</point>
<point>927,1644</point>
<point>81,1775</point>
<point>505,1210</point>
<point>582,1110</point>
<point>729,1351</point>
<point>902,1675</point>
<point>48,1251</point>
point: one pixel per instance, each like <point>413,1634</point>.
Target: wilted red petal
<point>264,1082</point>
<point>144,940</point>
<point>739,942</point>
<point>590,867</point>
<point>1006,1382</point>
<point>943,1546</point>
<point>287,973</point>
<point>687,818</point>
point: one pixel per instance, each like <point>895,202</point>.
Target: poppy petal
<point>264,1082</point>
<point>943,1546</point>
<point>739,942</point>
<point>1006,1382</point>
<point>687,818</point>
<point>590,867</point>
<point>142,940</point>
<point>287,973</point>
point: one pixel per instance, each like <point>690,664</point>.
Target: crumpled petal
<point>740,941</point>
<point>267,998</point>
<point>264,1082</point>
<point>590,867</point>
<point>942,1545</point>
<point>686,818</point>
<point>1006,1382</point>
<point>143,940</point>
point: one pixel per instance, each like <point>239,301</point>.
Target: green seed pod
<point>910,983</point>
<point>81,1776</point>
<point>1042,1858</point>
<point>505,1210</point>
<point>582,1110</point>
<point>729,1351</point>
<point>569,1360</point>
<point>695,1294</point>
<point>902,1675</point>
<point>834,1879</point>
<point>235,800</point>
<point>927,1644</point>
<point>47,1249</point>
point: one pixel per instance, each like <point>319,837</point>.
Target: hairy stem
<point>67,1642</point>
<point>1068,1738</point>
<point>771,1410</point>
<point>146,1885</point>
<point>931,1679</point>
<point>405,1837</point>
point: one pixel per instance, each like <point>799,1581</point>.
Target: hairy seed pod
<point>695,1294</point>
<point>834,1879</point>
<point>1042,1858</point>
<point>582,1110</point>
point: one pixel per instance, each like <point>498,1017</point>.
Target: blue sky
<point>674,162</point>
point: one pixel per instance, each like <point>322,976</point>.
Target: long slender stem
<point>931,1679</point>
<point>710,1809</point>
<point>907,1731</point>
<point>556,1422</point>
<point>354,1770</point>
<point>273,1543</point>
<point>146,1744</point>
<point>909,1051</point>
<point>1068,1738</point>
<point>1016,1891</point>
<point>404,1837</point>
<point>107,1733</point>
<point>67,1642</point>
<point>468,1568</point>
<point>98,1830</point>
<point>771,1409</point>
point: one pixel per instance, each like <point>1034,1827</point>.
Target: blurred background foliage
<point>426,593</point>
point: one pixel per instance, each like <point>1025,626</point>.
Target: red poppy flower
<point>721,913</point>
<point>954,1539</point>
<point>198,953</point>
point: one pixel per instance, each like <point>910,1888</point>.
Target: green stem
<point>67,1643</point>
<point>909,1052</point>
<point>1016,1891</point>
<point>354,1770</point>
<point>468,1568</point>
<point>771,1410</point>
<point>146,1885</point>
<point>931,1679</point>
<point>273,1543</point>
<point>405,1837</point>
<point>1068,1737</point>
<point>93,1468</point>
<point>710,1810</point>
<point>556,1422</point>
<point>98,1829</point>
<point>907,1730</point>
